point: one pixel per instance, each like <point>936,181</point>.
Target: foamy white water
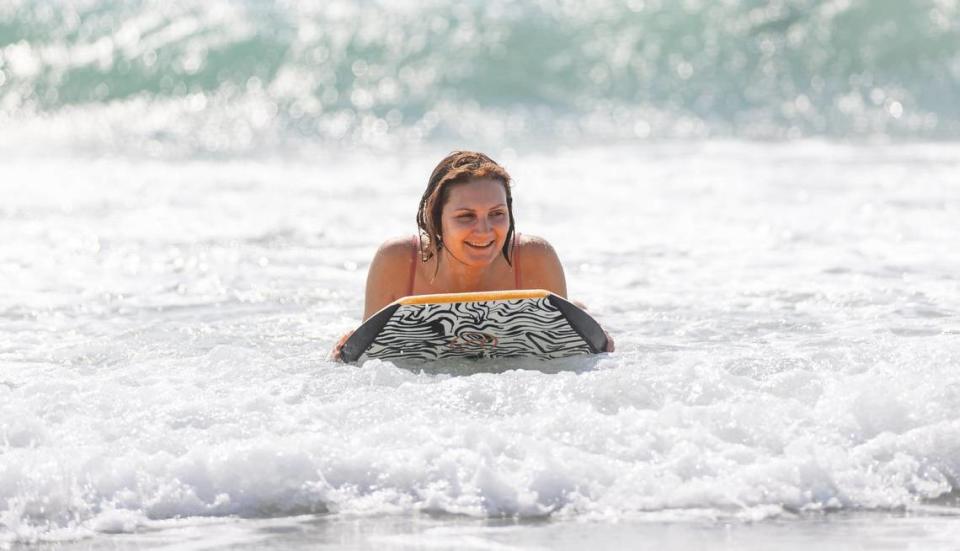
<point>787,320</point>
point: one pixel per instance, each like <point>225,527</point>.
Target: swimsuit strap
<point>516,261</point>
<point>413,263</point>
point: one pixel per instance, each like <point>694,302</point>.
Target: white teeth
<point>485,245</point>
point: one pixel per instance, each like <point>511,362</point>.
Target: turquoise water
<point>758,200</point>
<point>214,77</point>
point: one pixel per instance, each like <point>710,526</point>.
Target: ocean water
<point>234,78</point>
<point>759,201</point>
<point>786,319</point>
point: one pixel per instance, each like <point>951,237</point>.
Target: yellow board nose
<point>473,297</point>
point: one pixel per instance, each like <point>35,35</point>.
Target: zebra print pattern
<point>475,330</point>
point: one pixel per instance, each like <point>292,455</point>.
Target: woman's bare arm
<point>389,275</point>
<point>540,267</point>
<point>387,280</point>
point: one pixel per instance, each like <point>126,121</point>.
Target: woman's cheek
<point>453,225</point>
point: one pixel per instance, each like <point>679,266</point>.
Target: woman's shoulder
<point>386,278</point>
<point>540,265</point>
<point>397,247</point>
<point>534,247</point>
<point>395,251</point>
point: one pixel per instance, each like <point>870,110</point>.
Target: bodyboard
<point>500,324</point>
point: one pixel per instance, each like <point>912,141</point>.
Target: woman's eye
<point>498,214</point>
<point>465,216</point>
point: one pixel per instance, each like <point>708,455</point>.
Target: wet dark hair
<point>457,168</point>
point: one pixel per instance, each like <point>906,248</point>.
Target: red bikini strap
<point>413,263</point>
<point>516,261</point>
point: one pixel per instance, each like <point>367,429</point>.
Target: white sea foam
<point>786,319</point>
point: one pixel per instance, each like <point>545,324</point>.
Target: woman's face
<point>475,221</point>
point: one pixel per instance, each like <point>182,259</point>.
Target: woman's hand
<point>610,345</point>
<point>338,348</point>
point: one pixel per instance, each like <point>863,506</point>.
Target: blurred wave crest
<point>218,76</point>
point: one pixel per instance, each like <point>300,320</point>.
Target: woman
<point>466,243</point>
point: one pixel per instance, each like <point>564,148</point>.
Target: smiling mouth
<point>480,246</point>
